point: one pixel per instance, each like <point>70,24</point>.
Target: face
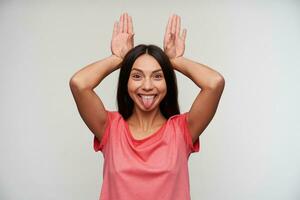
<point>146,84</point>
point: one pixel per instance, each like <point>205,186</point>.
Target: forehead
<point>146,63</point>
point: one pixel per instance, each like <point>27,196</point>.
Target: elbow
<point>75,84</point>
<point>219,82</point>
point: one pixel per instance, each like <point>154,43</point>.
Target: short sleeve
<point>98,146</point>
<point>192,147</point>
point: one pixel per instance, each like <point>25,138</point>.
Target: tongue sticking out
<point>147,101</point>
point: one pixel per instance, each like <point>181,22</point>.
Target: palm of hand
<point>174,44</point>
<point>122,38</point>
<point>174,47</point>
<point>121,44</point>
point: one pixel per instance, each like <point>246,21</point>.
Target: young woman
<point>147,142</point>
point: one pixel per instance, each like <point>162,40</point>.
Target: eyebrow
<point>142,70</point>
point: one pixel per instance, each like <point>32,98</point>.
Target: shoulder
<point>181,124</point>
<point>178,121</point>
<point>113,113</point>
<point>113,116</point>
<point>179,118</point>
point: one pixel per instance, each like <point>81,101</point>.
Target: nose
<point>147,84</point>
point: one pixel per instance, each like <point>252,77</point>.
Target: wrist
<point>179,64</point>
<point>175,61</point>
<point>116,58</point>
<point>115,61</point>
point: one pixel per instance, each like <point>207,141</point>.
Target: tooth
<point>148,97</point>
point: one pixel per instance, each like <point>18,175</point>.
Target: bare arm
<point>202,75</point>
<point>83,82</point>
<point>89,104</point>
<point>90,76</point>
<point>205,105</point>
<point>208,80</point>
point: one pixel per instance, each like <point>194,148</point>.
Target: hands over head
<point>122,37</point>
<point>174,42</point>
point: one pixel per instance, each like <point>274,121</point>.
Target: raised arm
<point>82,83</point>
<point>208,80</point>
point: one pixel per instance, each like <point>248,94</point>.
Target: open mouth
<point>147,100</point>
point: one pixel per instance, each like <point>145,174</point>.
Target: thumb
<point>183,35</point>
<point>131,35</point>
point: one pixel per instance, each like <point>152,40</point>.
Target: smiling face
<point>146,84</point>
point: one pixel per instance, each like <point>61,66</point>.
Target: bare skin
<point>146,77</point>
<point>146,120</point>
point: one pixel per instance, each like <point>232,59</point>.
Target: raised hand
<point>174,42</point>
<point>122,37</point>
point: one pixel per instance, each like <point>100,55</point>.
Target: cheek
<point>132,86</point>
<point>162,85</point>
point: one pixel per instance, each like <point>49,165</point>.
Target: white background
<point>249,151</point>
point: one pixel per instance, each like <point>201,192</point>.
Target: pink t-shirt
<point>152,168</point>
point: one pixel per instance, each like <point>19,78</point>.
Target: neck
<point>146,120</point>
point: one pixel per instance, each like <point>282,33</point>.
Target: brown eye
<point>158,76</point>
<point>136,76</point>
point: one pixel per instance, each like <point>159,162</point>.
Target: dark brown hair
<point>169,105</point>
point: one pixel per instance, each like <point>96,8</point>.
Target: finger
<point>115,30</point>
<point>184,34</point>
<point>121,24</point>
<point>130,26</point>
<point>119,28</point>
<point>173,26</point>
<point>168,32</point>
<point>125,22</point>
<point>178,26</point>
<point>168,28</point>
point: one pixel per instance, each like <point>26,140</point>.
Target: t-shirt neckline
<point>147,137</point>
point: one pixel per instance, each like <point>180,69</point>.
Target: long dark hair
<point>169,105</point>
